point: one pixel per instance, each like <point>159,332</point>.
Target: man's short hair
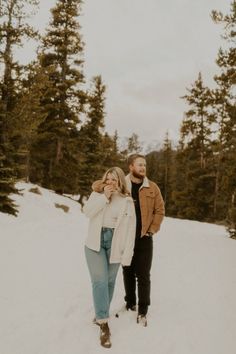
<point>131,158</point>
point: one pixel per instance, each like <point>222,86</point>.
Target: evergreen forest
<point>53,133</point>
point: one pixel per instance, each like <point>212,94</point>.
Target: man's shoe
<point>142,319</point>
<point>131,307</point>
<point>105,335</point>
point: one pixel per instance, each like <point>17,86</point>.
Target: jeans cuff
<point>102,320</point>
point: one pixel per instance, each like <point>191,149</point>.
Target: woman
<point>110,242</point>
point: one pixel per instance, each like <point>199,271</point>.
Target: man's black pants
<point>139,269</point>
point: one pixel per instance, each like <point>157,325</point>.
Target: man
<point>149,208</point>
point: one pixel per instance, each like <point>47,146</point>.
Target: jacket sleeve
<point>95,203</point>
<point>158,212</point>
<point>130,240</point>
<point>98,186</point>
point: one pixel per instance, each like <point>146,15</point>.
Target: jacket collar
<point>144,185</point>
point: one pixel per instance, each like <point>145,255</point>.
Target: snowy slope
<point>45,293</point>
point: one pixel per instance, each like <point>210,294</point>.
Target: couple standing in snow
<point>124,214</point>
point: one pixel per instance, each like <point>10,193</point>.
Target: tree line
<point>52,128</point>
<point>198,177</point>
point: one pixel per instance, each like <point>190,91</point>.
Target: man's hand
<point>98,186</point>
<point>149,234</point>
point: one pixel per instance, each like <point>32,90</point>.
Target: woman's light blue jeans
<point>103,274</point>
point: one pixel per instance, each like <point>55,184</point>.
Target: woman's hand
<point>108,191</point>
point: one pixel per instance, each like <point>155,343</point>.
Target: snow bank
<point>45,295</point>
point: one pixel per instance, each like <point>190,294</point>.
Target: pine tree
<point>225,106</point>
<point>92,139</point>
<point>196,126</point>
<point>28,115</point>
<point>167,156</point>
<point>182,201</point>
<point>196,154</point>
<point>111,155</point>
<point>13,29</point>
<point>153,159</point>
<point>133,144</point>
<point>232,216</point>
<point>223,146</point>
<point>55,151</point>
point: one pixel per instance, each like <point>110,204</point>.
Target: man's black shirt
<point>135,196</point>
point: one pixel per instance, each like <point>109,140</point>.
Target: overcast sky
<point>147,52</point>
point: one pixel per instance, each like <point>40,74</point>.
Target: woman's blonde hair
<point>118,174</point>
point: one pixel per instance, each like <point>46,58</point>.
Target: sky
<point>46,296</point>
<point>148,54</point>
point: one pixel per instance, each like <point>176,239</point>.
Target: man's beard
<point>137,175</point>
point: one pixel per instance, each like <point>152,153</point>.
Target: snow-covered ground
<point>45,293</point>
